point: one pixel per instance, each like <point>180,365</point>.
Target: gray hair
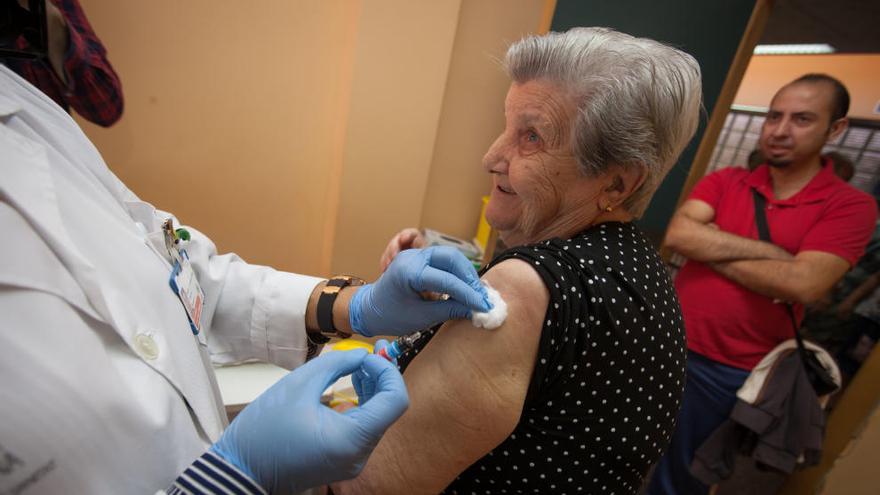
<point>638,100</point>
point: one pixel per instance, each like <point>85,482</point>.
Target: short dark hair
<point>839,98</point>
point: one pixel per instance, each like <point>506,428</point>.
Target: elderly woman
<point>578,390</point>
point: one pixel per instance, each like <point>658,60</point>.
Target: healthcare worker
<point>111,315</point>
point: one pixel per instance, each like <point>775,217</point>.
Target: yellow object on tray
<point>350,345</point>
<point>341,395</point>
<point>482,237</point>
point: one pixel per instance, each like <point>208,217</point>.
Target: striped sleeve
<point>210,474</point>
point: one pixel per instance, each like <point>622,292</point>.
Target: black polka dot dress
<point>609,375</point>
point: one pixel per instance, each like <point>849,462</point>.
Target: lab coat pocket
<point>148,220</point>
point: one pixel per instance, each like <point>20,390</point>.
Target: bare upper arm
<point>696,210</point>
<point>467,389</point>
<point>693,210</point>
<point>820,271</point>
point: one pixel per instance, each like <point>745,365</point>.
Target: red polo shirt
<point>727,322</point>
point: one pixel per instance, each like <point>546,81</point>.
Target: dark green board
<point>710,30</point>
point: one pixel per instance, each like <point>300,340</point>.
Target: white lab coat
<point>103,386</point>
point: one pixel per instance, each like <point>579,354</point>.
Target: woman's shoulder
<point>591,243</point>
<point>612,253</point>
<point>517,279</point>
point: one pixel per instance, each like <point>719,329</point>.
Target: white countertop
<point>241,384</point>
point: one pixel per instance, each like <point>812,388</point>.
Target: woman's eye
<point>531,140</point>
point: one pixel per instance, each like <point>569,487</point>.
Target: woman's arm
<point>467,389</point>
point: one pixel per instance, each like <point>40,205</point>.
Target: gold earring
<point>609,208</point>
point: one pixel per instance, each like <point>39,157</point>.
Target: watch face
<point>343,281</point>
<point>331,289</point>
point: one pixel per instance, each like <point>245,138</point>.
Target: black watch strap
<point>317,338</point>
<point>325,304</point>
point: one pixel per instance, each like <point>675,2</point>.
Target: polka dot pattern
<point>609,375</point>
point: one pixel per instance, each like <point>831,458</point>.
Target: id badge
<point>185,284</point>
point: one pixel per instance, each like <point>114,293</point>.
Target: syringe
<point>400,345</point>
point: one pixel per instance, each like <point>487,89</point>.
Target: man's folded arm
<point>692,234</point>
<point>467,389</point>
<point>804,279</point>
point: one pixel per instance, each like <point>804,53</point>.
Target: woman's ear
<point>622,183</point>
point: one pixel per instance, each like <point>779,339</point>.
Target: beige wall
<point>232,115</point>
<point>767,73</point>
<point>473,110</point>
<point>402,58</point>
<point>413,153</point>
<point>303,134</point>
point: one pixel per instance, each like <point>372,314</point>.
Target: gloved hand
<point>363,380</point>
<point>392,305</point>
<point>287,441</point>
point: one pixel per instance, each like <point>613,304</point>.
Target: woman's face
<point>538,191</point>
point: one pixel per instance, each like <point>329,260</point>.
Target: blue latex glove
<point>363,380</point>
<point>392,305</point>
<point>287,441</point>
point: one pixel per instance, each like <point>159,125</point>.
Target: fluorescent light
<point>798,49</point>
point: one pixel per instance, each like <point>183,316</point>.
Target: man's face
<point>799,124</point>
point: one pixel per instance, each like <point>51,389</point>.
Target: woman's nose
<point>496,160</point>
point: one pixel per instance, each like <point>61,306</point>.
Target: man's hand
<point>393,305</point>
<point>287,441</point>
<point>405,239</point>
<point>845,311</point>
<point>58,37</point>
<point>820,306</point>
<point>847,306</point>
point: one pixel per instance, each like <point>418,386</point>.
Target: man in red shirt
<point>732,284</point>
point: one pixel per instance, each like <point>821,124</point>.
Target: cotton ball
<point>496,316</point>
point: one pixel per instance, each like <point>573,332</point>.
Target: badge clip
<point>183,278</point>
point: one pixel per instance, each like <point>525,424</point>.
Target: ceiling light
<point>798,49</point>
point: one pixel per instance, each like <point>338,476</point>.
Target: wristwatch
<point>325,308</point>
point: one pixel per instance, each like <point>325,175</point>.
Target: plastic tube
<point>390,352</point>
<point>400,345</point>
